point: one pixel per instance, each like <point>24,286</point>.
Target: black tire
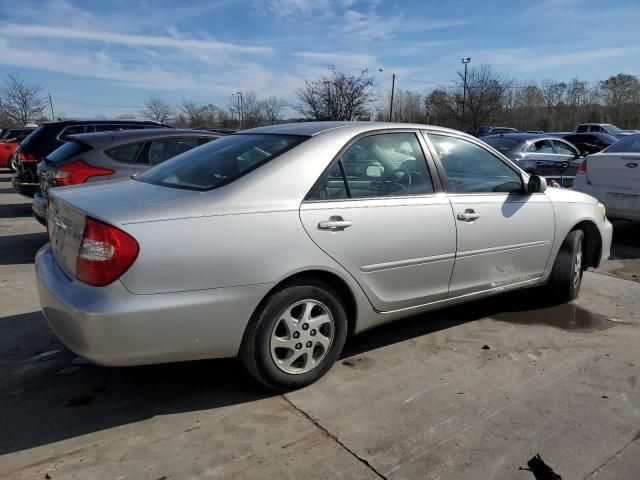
<point>566,275</point>
<point>11,163</point>
<point>256,353</point>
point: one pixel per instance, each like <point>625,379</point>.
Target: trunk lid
<point>65,224</point>
<point>614,170</point>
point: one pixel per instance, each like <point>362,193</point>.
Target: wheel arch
<point>337,283</point>
<point>592,242</point>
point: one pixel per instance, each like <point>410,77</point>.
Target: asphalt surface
<point>472,392</point>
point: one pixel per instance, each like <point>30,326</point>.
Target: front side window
<point>221,162</point>
<point>563,148</point>
<point>472,169</point>
<point>164,149</point>
<point>542,146</point>
<point>383,165</point>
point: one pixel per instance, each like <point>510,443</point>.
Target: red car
<point>9,141</point>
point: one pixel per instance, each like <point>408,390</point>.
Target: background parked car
<point>49,136</point>
<point>9,140</point>
<point>94,157</point>
<point>601,128</point>
<point>548,156</point>
<point>588,143</point>
<point>485,130</point>
<point>613,177</point>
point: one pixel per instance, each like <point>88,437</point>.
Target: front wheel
<point>296,336</point>
<point>566,275</point>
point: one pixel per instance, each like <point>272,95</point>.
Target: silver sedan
<point>277,243</point>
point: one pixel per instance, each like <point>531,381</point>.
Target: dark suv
<point>49,136</point>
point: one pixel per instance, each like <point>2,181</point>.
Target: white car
<point>613,177</point>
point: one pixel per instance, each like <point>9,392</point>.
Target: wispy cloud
<point>338,58</point>
<point>183,44</point>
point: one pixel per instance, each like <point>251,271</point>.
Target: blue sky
<point>118,53</point>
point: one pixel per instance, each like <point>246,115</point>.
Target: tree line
<point>489,98</point>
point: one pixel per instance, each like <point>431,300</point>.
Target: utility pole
<point>53,117</point>
<point>393,87</point>
<point>465,61</point>
<point>240,108</point>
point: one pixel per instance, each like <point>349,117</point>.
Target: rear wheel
<point>566,275</point>
<point>13,163</point>
<point>296,336</point>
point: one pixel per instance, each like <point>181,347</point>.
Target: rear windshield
<point>66,151</point>
<point>501,143</point>
<point>33,134</point>
<point>218,163</point>
<point>630,144</point>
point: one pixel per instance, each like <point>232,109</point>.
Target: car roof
<point>316,128</point>
<point>523,136</point>
<point>74,121</point>
<point>101,139</point>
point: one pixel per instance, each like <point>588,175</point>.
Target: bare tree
<point>272,109</point>
<point>621,95</point>
<point>251,109</point>
<point>338,96</point>
<point>157,110</point>
<point>194,115</point>
<point>20,101</point>
<point>126,116</point>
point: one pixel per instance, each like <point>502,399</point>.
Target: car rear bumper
<point>111,326</point>
<point>600,193</point>
<point>26,188</point>
<point>39,207</point>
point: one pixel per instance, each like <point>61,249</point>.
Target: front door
<point>504,236</point>
<point>376,212</point>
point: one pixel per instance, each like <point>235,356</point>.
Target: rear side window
<point>66,151</point>
<point>164,149</point>
<point>125,153</point>
<point>221,162</point>
<point>501,143</point>
<point>582,128</point>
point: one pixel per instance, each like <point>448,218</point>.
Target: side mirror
<point>537,184</point>
<point>373,171</point>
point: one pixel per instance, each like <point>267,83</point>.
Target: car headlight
<point>603,209</point>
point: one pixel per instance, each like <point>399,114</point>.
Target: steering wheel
<point>398,178</point>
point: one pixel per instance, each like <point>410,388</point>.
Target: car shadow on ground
<point>15,210</point>
<point>41,406</point>
<point>20,249</point>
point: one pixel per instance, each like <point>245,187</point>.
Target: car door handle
<point>334,223</point>
<point>468,216</point>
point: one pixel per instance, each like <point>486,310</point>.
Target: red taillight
<point>106,252</point>
<point>79,172</point>
<point>27,158</point>
<point>583,166</point>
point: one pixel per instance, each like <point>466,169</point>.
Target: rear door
<point>377,212</point>
<point>504,235</point>
<point>567,162</point>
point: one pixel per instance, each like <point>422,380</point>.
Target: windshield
<point>630,144</point>
<point>611,129</point>
<point>219,162</point>
<point>501,143</point>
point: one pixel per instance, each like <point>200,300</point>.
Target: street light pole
<point>53,117</point>
<point>465,61</point>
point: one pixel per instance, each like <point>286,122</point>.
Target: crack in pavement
<point>615,455</point>
<point>334,438</point>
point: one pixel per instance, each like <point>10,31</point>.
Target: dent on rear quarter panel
<point>219,251</point>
